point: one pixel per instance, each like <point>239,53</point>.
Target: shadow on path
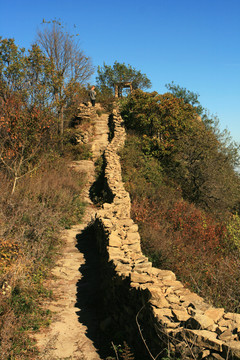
<point>88,286</point>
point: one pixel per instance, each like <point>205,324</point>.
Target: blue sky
<point>193,43</point>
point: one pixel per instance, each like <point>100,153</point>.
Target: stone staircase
<point>100,137</point>
<point>97,143</point>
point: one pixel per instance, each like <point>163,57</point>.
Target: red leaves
<point>193,226</point>
<point>21,126</point>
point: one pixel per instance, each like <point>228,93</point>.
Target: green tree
<point>159,118</point>
<point>24,73</point>
<point>192,98</point>
<point>189,97</point>
<point>211,122</point>
<point>199,159</point>
<point>205,171</point>
<point>109,75</point>
<point>12,68</point>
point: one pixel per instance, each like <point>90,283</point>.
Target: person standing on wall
<point>92,94</point>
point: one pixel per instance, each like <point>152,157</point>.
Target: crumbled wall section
<point>192,327</point>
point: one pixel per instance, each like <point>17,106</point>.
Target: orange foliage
<point>8,252</point>
<point>21,127</point>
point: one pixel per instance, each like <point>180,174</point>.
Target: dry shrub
<point>31,220</point>
<point>193,251</point>
<point>8,325</point>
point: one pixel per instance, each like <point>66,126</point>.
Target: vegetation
<point>178,167</point>
<point>109,75</point>
<point>69,67</point>
<point>40,194</point>
<point>185,195</point>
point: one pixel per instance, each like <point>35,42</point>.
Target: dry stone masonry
<point>96,132</point>
<point>134,290</point>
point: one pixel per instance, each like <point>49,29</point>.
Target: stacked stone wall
<point>146,302</point>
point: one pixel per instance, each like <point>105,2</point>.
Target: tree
<point>110,75</point>
<point>23,73</point>
<point>24,135</point>
<point>205,171</point>
<point>192,98</point>
<point>68,65</point>
<point>159,118</point>
<point>25,114</point>
<point>199,159</point>
<point>189,97</point>
<point>12,68</point>
<point>230,148</point>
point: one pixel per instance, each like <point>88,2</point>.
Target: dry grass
<point>30,223</point>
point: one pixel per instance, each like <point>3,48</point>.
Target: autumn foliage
<point>200,247</point>
<point>161,119</point>
<point>25,132</point>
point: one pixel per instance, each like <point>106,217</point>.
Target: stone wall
<point>146,302</point>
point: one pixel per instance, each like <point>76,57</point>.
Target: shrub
<point>231,240</point>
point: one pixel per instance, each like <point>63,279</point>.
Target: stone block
<point>143,267</point>
<point>173,298</point>
<point>181,315</point>
<point>200,321</point>
<point>114,240</point>
<point>107,206</point>
<point>227,335</point>
<point>115,253</point>
<point>233,317</point>
<point>133,228</point>
<point>132,237</point>
<point>123,268</point>
<point>215,314</point>
<point>194,299</point>
<point>159,303</point>
<point>107,223</point>
<point>204,338</point>
<point>205,353</point>
<point>217,356</point>
<point>127,222</point>
<point>234,348</point>
<point>139,278</point>
<point>227,324</point>
<point>141,259</point>
<point>134,247</point>
<point>166,276</point>
<point>161,315</point>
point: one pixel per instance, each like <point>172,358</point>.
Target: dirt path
<point>73,333</point>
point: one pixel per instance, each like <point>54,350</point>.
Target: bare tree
<point>68,64</point>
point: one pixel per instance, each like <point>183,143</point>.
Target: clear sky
<point>194,43</point>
